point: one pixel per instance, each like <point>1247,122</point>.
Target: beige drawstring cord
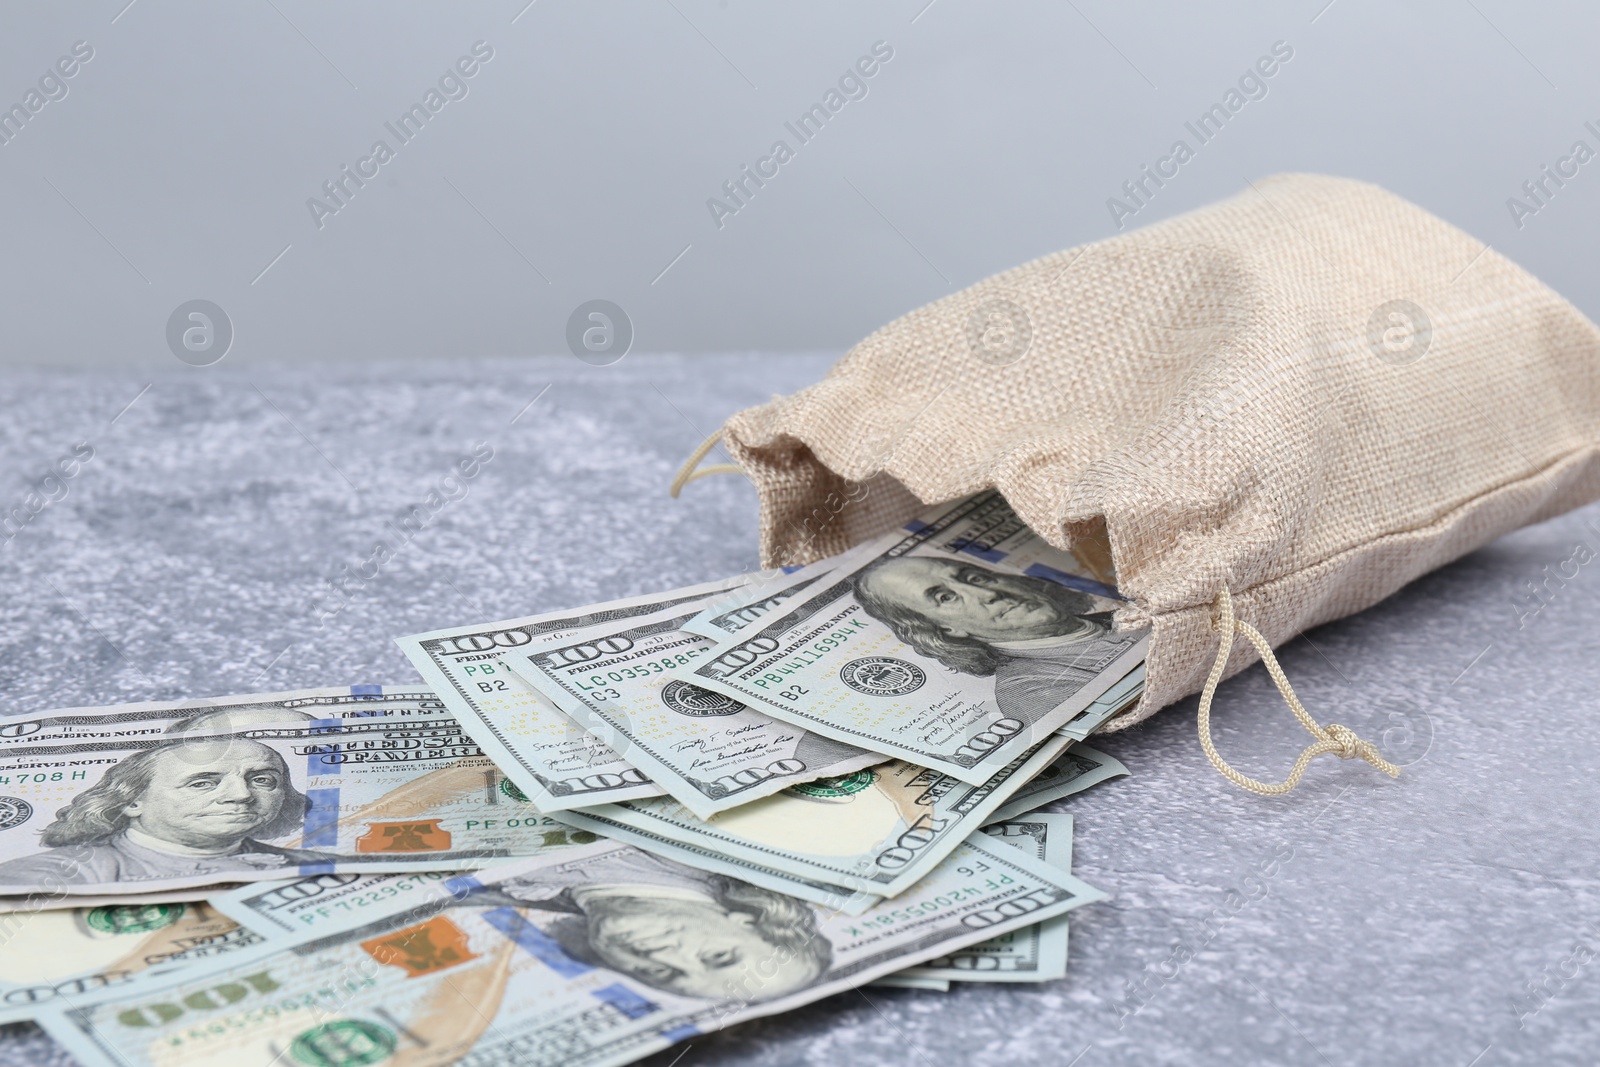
<point>687,472</point>
<point>1340,740</point>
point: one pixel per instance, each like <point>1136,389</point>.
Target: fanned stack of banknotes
<point>593,834</point>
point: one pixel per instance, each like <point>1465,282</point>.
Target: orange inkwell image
<point>420,835</point>
<point>422,949</point>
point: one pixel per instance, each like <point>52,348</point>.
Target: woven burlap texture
<point>1310,394</point>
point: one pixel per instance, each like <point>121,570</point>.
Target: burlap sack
<point>1308,395</point>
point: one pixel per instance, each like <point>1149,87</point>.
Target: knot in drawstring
<point>1350,746</point>
<point>1332,739</point>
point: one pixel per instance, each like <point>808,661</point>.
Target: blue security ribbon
<point>1072,581</point>
<point>535,942</point>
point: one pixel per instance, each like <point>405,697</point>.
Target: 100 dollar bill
<point>1034,953</point>
<point>944,661</point>
<point>324,901</point>
<point>598,957</point>
<point>54,957</point>
<point>152,797</point>
<point>727,613</point>
<point>1121,697</point>
<point>710,752</point>
<point>1075,770</point>
<point>554,761</point>
<point>815,840</point>
<point>984,527</point>
<point>876,831</point>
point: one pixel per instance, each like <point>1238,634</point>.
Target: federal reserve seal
<point>14,811</point>
<point>697,703</point>
<point>882,676</point>
<point>830,788</point>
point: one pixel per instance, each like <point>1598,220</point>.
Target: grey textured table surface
<point>1445,918</point>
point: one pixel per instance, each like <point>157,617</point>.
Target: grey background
<point>1374,922</point>
<point>580,163</point>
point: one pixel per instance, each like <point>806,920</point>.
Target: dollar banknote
<point>55,957</point>
<point>554,762</point>
<point>876,831</point>
<point>155,797</point>
<point>277,910</point>
<point>1119,698</point>
<point>1075,770</point>
<point>691,854</point>
<point>323,901</point>
<point>707,750</point>
<point>984,527</point>
<point>1034,953</point>
<point>726,613</point>
<point>937,658</point>
<point>599,957</point>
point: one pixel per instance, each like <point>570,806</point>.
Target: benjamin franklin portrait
<point>182,808</point>
<point>1041,642</point>
<point>674,928</point>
